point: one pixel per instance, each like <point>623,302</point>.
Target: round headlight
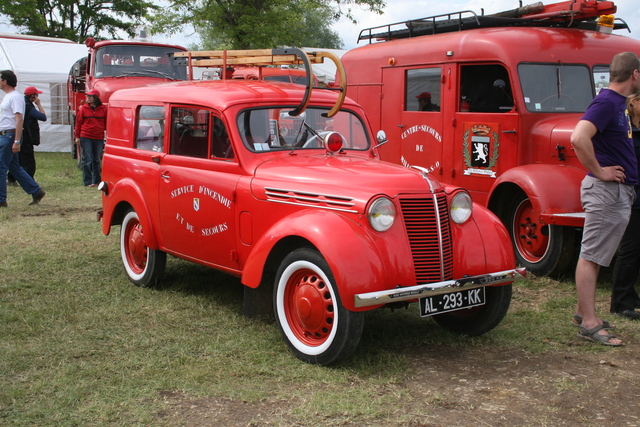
<point>461,207</point>
<point>382,214</point>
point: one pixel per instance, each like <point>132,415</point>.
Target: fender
<point>126,191</point>
<point>554,192</point>
<point>355,261</point>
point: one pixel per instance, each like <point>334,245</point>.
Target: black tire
<point>479,320</point>
<point>309,312</point>
<point>143,265</point>
<point>544,250</point>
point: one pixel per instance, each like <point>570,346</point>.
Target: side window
<point>220,143</point>
<point>485,89</point>
<point>189,132</point>
<point>150,125</point>
<point>422,89</point>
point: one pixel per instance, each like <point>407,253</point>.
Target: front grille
<point>429,233</point>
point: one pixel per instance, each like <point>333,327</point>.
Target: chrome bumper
<point>430,289</point>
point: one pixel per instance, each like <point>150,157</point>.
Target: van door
<point>197,186</point>
<point>412,102</point>
<point>485,129</point>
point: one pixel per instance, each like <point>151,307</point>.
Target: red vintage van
<point>488,103</point>
<point>281,185</point>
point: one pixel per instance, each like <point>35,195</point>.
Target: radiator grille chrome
<point>429,232</point>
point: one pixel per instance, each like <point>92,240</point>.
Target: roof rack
<point>267,57</point>
<point>582,14</point>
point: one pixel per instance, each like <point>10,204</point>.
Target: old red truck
<point>281,185</point>
<point>488,103</point>
<point>115,64</point>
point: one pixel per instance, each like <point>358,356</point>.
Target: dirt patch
<point>463,387</point>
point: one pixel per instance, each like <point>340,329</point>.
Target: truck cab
<point>488,103</point>
<point>115,64</point>
<point>281,185</point>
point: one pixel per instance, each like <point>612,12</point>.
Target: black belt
<point>7,131</point>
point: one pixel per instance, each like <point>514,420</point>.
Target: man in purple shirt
<point>602,141</point>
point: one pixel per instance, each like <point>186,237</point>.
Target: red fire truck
<point>281,185</point>
<point>488,103</point>
<point>115,64</point>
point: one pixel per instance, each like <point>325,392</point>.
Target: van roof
<point>222,94</point>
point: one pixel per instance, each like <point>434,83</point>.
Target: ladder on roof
<point>581,14</point>
<point>265,57</point>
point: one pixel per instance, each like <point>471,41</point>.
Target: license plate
<point>453,301</point>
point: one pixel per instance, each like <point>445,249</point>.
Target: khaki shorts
<point>608,207</point>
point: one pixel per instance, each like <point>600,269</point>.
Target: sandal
<point>593,336</point>
<point>577,321</point>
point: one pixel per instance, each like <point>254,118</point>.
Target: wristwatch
<point>16,142</point>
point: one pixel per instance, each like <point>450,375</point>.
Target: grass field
<point>81,346</point>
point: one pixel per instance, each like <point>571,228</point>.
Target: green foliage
<point>76,20</point>
<point>252,24</point>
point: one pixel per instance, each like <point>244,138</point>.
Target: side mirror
<point>381,137</point>
<point>500,84</point>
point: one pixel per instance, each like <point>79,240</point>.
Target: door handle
<point>165,175</point>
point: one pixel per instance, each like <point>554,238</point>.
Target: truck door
<point>198,178</point>
<point>411,114</point>
<point>485,126</point>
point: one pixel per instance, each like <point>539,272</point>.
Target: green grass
<point>80,345</point>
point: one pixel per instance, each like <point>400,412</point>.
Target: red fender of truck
<point>126,191</point>
<point>351,254</point>
<point>552,189</point>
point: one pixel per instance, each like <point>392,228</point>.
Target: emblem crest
<point>196,204</point>
<point>480,149</point>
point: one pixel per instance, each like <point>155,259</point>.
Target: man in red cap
<point>424,102</point>
<point>30,131</point>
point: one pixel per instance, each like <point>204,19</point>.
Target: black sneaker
<point>4,205</point>
<point>629,314</point>
<point>37,197</point>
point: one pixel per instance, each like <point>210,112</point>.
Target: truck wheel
<point>545,250</point>
<point>143,265</point>
<point>479,320</point>
<point>310,316</point>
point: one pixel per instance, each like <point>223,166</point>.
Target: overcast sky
<point>404,10</point>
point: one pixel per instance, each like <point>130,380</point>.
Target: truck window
<point>137,60</point>
<point>422,89</point>
<point>600,77</point>
<point>485,89</point>
<point>556,88</point>
<point>150,125</point>
<point>189,132</point>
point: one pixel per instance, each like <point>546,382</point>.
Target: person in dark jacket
<point>91,122</point>
<point>33,113</point>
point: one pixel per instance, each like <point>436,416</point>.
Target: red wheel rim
<point>531,238</point>
<point>135,248</point>
<point>309,307</point>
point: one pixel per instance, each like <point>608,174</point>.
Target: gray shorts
<point>608,207</point>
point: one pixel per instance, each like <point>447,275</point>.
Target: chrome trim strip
<point>570,214</point>
<point>309,199</point>
<point>436,208</point>
<point>430,289</point>
<point>313,206</point>
<point>304,193</point>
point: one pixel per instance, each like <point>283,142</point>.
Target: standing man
<point>603,144</point>
<point>11,118</point>
<point>30,131</point>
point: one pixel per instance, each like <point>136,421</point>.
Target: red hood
<point>339,176</point>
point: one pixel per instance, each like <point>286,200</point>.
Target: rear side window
<point>150,125</point>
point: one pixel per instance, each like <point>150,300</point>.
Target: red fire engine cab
<point>488,103</point>
<point>281,185</point>
<point>115,64</point>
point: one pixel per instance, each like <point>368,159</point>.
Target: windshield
<point>600,77</point>
<point>273,129</point>
<point>138,60</point>
<point>554,88</point>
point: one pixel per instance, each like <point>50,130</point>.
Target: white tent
<point>325,72</point>
<point>44,62</point>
